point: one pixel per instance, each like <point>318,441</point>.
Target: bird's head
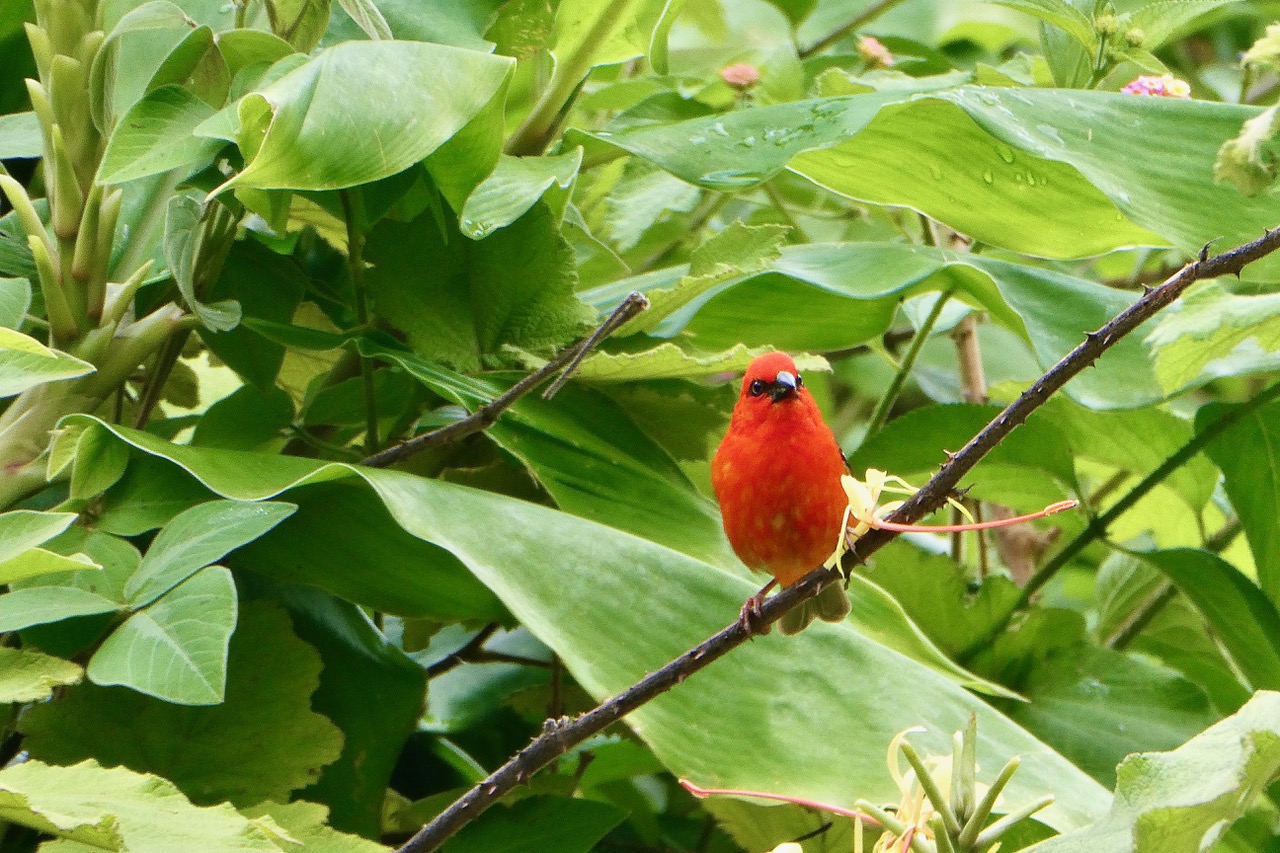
<point>772,378</point>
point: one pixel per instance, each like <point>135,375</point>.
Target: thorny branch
<point>485,416</point>
<point>559,735</point>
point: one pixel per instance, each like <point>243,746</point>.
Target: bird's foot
<point>751,617</point>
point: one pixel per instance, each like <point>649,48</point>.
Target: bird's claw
<point>751,617</point>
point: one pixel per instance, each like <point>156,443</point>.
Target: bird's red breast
<point>777,474</point>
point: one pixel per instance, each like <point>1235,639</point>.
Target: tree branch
<point>559,735</point>
<point>485,416</point>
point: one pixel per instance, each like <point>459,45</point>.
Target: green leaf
<point>23,608</point>
<point>97,465</point>
<point>736,251</point>
<point>247,419</point>
<point>1213,334</point>
<point>308,823</point>
<point>1028,470</point>
<point>536,824</point>
<point>183,229</point>
<point>176,648</point>
<point>117,809</point>
<point>38,561</point>
<point>1060,14</point>
<point>15,301</point>
<point>27,675</point>
<point>263,742</point>
<point>1161,20</point>
<point>367,18</point>
<point>514,186</point>
<point>1249,456</point>
<point>198,537</point>
<point>849,292</point>
<point>20,136</point>
<point>589,612</point>
<point>26,363</point>
<point>514,288</point>
<point>21,529</point>
<point>1242,618</point>
<point>359,663</point>
<point>361,111</point>
<point>668,361</point>
<point>155,136</point>
<point>1095,706</point>
<point>1186,798</point>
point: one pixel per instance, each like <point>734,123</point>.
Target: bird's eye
<point>756,388</point>
<point>799,381</point>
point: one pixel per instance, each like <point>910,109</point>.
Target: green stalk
<point>881,413</point>
<point>535,131</point>
<point>353,212</point>
<point>62,322</point>
<point>860,20</point>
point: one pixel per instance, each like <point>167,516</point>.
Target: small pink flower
<point>740,75</point>
<point>874,53</point>
<point>1166,86</point>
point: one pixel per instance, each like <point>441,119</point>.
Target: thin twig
<point>559,735</point>
<point>840,32</point>
<point>485,416</point>
<point>463,654</point>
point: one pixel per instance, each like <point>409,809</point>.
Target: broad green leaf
<point>595,462</point>
<point>467,694</point>
<point>27,675</point>
<point>359,663</point>
<point>1160,20</point>
<point>117,809</point>
<point>937,594</point>
<point>117,559</point>
<point>263,742</point>
<point>20,136</point>
<point>15,301</point>
<point>21,529</point>
<point>183,231</point>
<point>361,111</point>
<point>308,824</point>
<point>176,648</point>
<point>539,823</point>
<point>836,295</point>
<point>1249,456</point>
<point>247,419</point>
<point>589,611</point>
<point>1060,14</point>
<point>1137,441</point>
<point>366,16</point>
<point>155,136</point>
<point>104,87</point>
<point>514,288</point>
<point>642,201</point>
<point>198,537</point>
<point>1028,470</point>
<point>1214,334</point>
<point>587,34</point>
<point>1242,618</point>
<point>879,615</point>
<point>1186,798</point>
<point>26,363</point>
<point>23,608</point>
<point>514,186</point>
<point>38,561</point>
<point>668,361</point>
<point>1095,706</point>
<point>98,464</point>
<point>736,251</point>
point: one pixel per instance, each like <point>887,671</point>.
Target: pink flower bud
<point>874,53</point>
<point>740,75</point>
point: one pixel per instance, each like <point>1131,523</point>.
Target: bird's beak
<point>782,386</point>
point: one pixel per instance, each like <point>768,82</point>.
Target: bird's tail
<point>829,605</point>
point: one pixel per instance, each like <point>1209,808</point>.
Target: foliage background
<point>246,246</point>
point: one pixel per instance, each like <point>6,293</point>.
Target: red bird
<point>777,477</point>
